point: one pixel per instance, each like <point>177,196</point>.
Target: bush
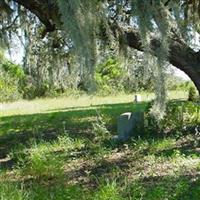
<point>108,77</point>
<point>31,89</point>
<point>13,70</point>
<point>99,128</point>
<point>178,115</point>
<point>11,81</point>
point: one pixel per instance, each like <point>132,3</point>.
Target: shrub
<point>99,129</point>
<point>108,76</point>
<point>13,70</point>
<point>178,115</point>
<point>11,81</point>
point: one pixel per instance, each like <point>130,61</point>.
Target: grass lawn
<point>57,149</point>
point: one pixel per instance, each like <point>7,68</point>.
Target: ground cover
<point>56,150</point>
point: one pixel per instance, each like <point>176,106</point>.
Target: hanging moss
<point>153,18</point>
<point>87,24</point>
<point>80,21</point>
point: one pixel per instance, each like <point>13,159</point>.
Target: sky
<point>181,74</point>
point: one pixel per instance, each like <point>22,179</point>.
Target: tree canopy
<point>163,28</point>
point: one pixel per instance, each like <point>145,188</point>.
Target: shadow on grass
<point>77,122</point>
<point>97,106</point>
<point>186,148</point>
<point>186,151</point>
<point>183,187</point>
<point>166,187</point>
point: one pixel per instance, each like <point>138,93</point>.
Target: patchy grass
<point>64,152</point>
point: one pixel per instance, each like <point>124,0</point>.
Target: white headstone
<point>130,124</point>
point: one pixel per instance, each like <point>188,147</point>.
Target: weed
<point>108,191</point>
<point>99,128</point>
<point>46,159</point>
<point>11,191</point>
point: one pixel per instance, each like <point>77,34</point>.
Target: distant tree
<point>11,80</point>
<point>162,28</point>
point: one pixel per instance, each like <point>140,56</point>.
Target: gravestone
<point>129,124</point>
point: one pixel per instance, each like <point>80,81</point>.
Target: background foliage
<point>11,80</point>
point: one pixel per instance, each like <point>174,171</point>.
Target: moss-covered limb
<point>180,54</point>
<point>45,10</point>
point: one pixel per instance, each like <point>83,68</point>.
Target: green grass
<point>10,191</point>
<point>73,103</point>
<point>51,150</point>
<point>47,159</point>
